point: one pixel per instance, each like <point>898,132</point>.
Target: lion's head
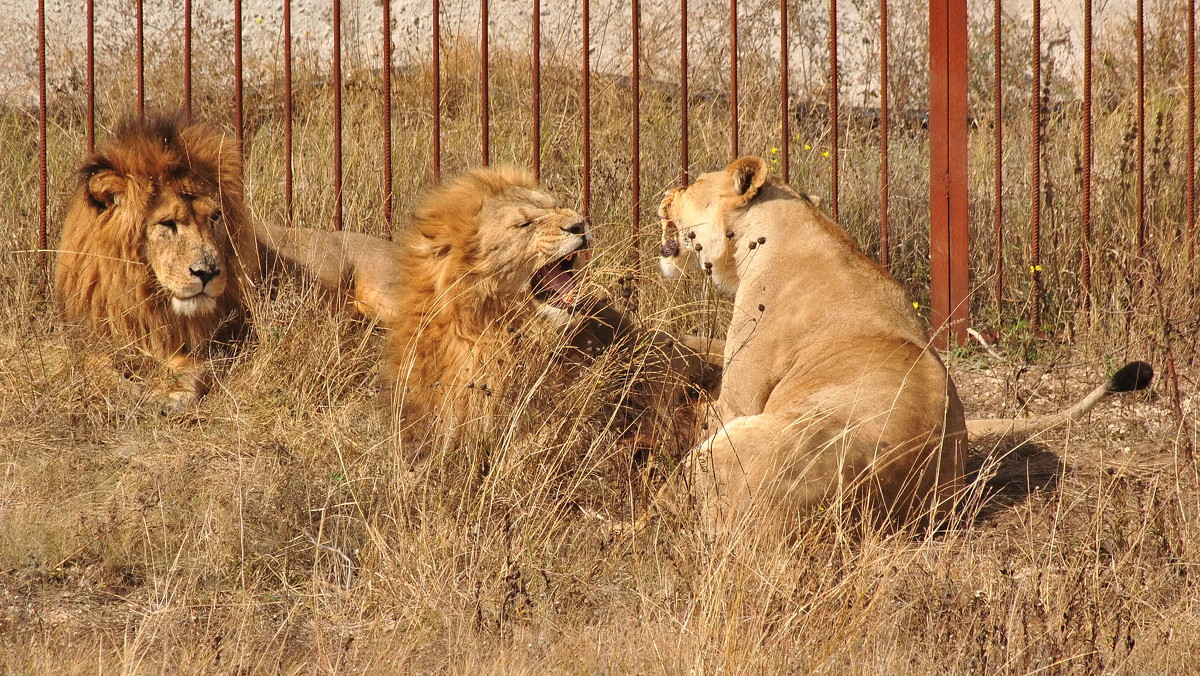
<point>155,247</point>
<point>701,224</point>
<point>484,253</point>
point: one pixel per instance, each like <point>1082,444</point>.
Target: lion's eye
<point>216,216</point>
<point>169,225</point>
<point>524,224</point>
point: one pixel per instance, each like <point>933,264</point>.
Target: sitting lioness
<point>831,393</point>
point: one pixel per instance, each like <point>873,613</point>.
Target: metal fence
<point>947,118</point>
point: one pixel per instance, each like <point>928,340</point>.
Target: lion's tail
<point>1131,377</point>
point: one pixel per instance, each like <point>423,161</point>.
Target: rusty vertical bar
<point>587,109</point>
<point>337,114</point>
<point>948,169</point>
<point>238,121</point>
<point>387,118</point>
<point>187,57</point>
<point>833,110</point>
<point>1035,173</point>
<point>785,132</point>
<point>683,92</point>
<point>998,152</point>
<point>1141,128</point>
<point>635,28</point>
<point>1085,249</point>
<point>288,169</point>
<point>885,258</point>
<point>733,81</point>
<point>43,174</point>
<point>437,91</point>
<point>91,76</point>
<point>485,141</point>
<point>537,89</point>
<point>1191,134</point>
<point>141,59</point>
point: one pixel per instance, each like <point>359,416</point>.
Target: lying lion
<point>831,394</point>
<point>488,258</point>
<point>155,255</point>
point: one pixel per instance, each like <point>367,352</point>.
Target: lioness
<point>831,394</point>
<point>155,253</point>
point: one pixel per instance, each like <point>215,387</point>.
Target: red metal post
<point>587,110</point>
<point>187,56</point>
<point>1191,134</point>
<point>537,89</point>
<point>437,91</point>
<point>785,132</point>
<point>141,60</point>
<point>1085,254</point>
<point>387,119</point>
<point>238,122</point>
<point>998,151</point>
<point>1035,175</point>
<point>733,81</point>
<point>1141,129</point>
<point>884,243</point>
<point>948,169</point>
<point>337,114</point>
<point>43,176</point>
<point>636,120</point>
<point>833,108</point>
<point>485,142</point>
<point>288,170</point>
<point>683,92</point>
<point>91,76</point>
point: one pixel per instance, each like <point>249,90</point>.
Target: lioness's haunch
<point>155,253</point>
<point>831,394</point>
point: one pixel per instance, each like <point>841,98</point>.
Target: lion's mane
<point>102,278</point>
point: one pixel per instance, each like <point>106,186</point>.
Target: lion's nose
<point>205,275</point>
<point>576,228</point>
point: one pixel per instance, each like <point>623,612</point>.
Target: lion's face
<point>699,222</point>
<point>531,249</point>
<point>179,243</point>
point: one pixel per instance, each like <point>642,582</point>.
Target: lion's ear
<point>748,174</point>
<point>106,187</point>
<point>667,199</point>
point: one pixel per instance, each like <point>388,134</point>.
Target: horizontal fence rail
<point>846,113</point>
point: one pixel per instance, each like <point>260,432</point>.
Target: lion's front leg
<point>180,388</point>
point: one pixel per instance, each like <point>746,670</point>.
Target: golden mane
<point>452,317</point>
<point>102,278</point>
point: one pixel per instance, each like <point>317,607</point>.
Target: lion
<point>831,393</point>
<point>488,259</point>
<point>155,253</point>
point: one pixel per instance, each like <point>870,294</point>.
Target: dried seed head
<point>728,234</point>
<point>762,308</point>
<point>762,240</point>
<point>699,246</point>
<point>753,246</point>
<point>691,234</point>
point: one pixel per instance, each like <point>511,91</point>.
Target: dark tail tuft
<point>1136,375</point>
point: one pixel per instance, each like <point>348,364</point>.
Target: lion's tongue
<point>557,279</point>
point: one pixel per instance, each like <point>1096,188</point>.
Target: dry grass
<point>275,531</point>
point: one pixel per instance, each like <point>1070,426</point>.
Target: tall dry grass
<point>276,529</point>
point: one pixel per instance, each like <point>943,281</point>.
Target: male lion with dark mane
<point>832,394</point>
<point>155,252</point>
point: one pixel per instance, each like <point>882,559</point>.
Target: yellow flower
<point>774,150</point>
<point>807,147</point>
<point>916,305</point>
<point>825,154</point>
<point>1034,268</point>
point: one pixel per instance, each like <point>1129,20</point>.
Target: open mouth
<point>554,283</point>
